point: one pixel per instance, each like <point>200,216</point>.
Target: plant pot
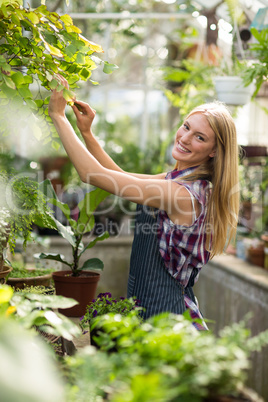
<point>231,90</point>
<point>4,272</point>
<point>256,256</point>
<point>81,288</point>
<point>21,283</point>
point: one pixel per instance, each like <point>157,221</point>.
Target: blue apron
<point>149,281</point>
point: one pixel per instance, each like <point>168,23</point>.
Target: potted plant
<point>80,280</point>
<point>157,360</point>
<point>229,84</point>
<point>35,45</point>
<point>257,70</point>
<point>105,304</point>
<point>21,276</point>
<point>230,87</point>
<point>21,202</point>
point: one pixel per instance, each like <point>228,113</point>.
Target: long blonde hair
<point>222,171</point>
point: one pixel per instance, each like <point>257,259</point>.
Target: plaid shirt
<point>183,247</point>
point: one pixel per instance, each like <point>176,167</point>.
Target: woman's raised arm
<point>84,118</point>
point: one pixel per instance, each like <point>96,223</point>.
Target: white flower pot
<point>231,90</point>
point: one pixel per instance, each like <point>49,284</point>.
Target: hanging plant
<point>35,45</point>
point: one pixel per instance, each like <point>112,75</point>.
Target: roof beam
<point>127,15</point>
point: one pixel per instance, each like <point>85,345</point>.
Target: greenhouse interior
<point>134,200</point>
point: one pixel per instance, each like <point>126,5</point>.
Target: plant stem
<point>76,256</point>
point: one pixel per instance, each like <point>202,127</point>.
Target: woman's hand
<point>57,102</point>
<point>84,116</point>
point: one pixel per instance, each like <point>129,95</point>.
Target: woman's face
<point>195,142</point>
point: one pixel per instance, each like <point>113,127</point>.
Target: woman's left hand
<point>57,102</point>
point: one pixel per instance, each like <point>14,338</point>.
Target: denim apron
<point>149,281</point>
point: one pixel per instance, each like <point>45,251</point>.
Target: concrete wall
<point>228,289</point>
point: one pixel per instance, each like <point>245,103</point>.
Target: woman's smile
<point>182,148</point>
<point>195,142</point>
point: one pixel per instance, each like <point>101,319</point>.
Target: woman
<point>184,217</point>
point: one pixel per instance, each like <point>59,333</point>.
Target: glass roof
<point>250,7</point>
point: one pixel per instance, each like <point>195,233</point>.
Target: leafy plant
<point>24,355</point>
<point>257,71</point>
<point>37,310</point>
<point>77,229</point>
<point>159,360</point>
<point>21,203</point>
<point>193,78</point>
<point>35,45</point>
<point>19,271</point>
<point>104,304</point>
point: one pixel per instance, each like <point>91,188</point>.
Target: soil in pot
<point>81,288</point>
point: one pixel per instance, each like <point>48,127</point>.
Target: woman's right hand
<point>84,116</point>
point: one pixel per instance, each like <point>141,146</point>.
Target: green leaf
<point>71,50</point>
<point>8,81</point>
<point>15,19</point>
<point>31,104</point>
<point>33,17</point>
<point>92,264</point>
<point>25,93</point>
<point>109,68</point>
<point>47,256</point>
<point>80,58</point>
<point>101,237</point>
<point>55,145</point>
<point>66,19</point>
<point>53,84</point>
<point>89,204</point>
<point>84,73</point>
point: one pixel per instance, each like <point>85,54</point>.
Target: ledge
<point>242,269</point>
<point>111,241</point>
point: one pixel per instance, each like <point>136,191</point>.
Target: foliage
<point>159,360</point>
<point>194,82</point>
<point>104,304</point>
<point>33,310</point>
<point>35,45</point>
<point>41,290</point>
<point>19,271</point>
<point>24,202</point>
<point>258,71</point>
<point>4,227</point>
<point>77,229</point>
<point>26,359</point>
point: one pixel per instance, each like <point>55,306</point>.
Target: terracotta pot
<point>81,288</point>
<point>256,256</point>
<point>4,272</point>
<point>21,283</point>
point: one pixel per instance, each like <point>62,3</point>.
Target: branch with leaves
<point>35,45</point>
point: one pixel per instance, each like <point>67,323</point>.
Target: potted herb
<point>80,280</point>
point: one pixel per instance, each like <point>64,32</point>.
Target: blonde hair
<point>222,171</point>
